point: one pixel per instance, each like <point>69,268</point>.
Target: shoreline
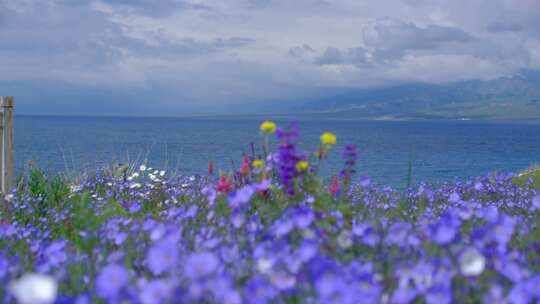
<point>299,117</point>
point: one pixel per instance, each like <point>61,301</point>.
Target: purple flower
<point>210,194</point>
<point>283,280</point>
<point>359,228</point>
<point>519,295</point>
<point>369,289</point>
<point>454,198</point>
<point>263,186</point>
<point>349,155</point>
<point>512,271</point>
<point>366,232</point>
<point>4,266</point>
<point>83,299</point>
<point>163,256</point>
<point>241,196</point>
<point>237,219</point>
<point>370,237</point>
<point>489,213</point>
<point>307,251</point>
<point>135,207</point>
<point>259,290</point>
<point>494,295</point>
<point>397,233</point>
<point>111,280</point>
<point>120,238</point>
<point>287,157</point>
<point>302,217</point>
<point>115,257</point>
<point>365,181</point>
<point>439,294</point>
<point>536,202</point>
<point>504,230</point>
<point>404,295</point>
<point>283,227</point>
<point>478,186</point>
<point>7,230</point>
<point>328,285</point>
<point>446,229</point>
<point>200,264</point>
<point>191,212</point>
<point>157,291</point>
<point>223,291</point>
<point>444,234</point>
<point>53,256</point>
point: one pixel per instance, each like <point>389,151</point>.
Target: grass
<point>530,177</point>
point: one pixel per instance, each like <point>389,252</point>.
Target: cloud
<point>154,9</point>
<point>41,43</point>
<point>354,56</point>
<point>201,54</point>
<point>498,26</point>
<point>397,34</point>
<point>301,51</point>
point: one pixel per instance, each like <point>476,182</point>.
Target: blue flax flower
<point>110,281</point>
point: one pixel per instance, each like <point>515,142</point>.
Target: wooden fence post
<point>2,128</point>
<point>6,145</point>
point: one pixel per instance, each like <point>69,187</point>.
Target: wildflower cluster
<point>270,233</point>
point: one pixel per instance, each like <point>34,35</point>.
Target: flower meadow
<point>270,231</point>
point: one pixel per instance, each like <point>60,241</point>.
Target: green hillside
<point>508,98</point>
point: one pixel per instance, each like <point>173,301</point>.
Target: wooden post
<point>6,167</point>
<point>2,128</point>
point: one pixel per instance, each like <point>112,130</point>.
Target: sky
<point>185,57</point>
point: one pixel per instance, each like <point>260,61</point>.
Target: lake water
<point>437,150</point>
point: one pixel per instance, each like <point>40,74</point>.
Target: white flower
<point>142,168</point>
<point>34,288</point>
<point>135,185</point>
<point>344,239</point>
<point>162,173</point>
<point>9,197</point>
<point>309,234</point>
<point>133,176</point>
<point>264,265</point>
<point>75,188</point>
<point>472,262</point>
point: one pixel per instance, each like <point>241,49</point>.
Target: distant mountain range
<point>506,98</point>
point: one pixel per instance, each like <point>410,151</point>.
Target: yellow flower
<point>302,166</point>
<point>328,138</point>
<point>258,163</point>
<point>268,127</point>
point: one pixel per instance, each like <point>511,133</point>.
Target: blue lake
<point>437,150</point>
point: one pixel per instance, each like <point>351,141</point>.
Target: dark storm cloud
<point>354,56</point>
<point>499,26</point>
<point>300,51</point>
<point>396,34</point>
